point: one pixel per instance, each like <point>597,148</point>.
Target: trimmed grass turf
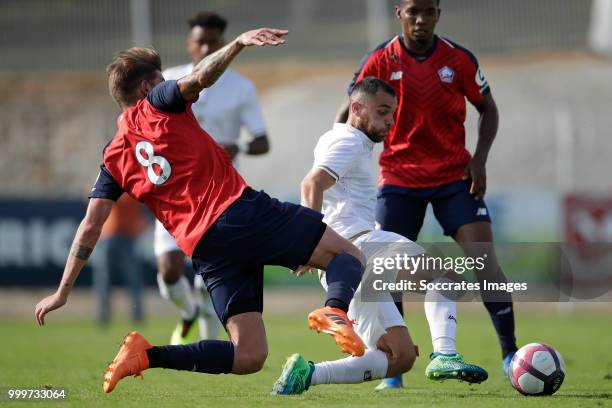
<point>73,354</point>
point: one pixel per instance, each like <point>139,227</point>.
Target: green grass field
<point>73,354</point>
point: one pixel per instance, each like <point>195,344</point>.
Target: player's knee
<point>352,250</point>
<point>403,363</point>
<point>250,362</point>
<point>408,357</point>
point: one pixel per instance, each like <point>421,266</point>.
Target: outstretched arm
<point>313,186</point>
<point>84,242</point>
<point>210,68</point>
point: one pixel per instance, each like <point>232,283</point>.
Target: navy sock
<point>206,356</point>
<point>343,275</point>
<point>502,316</point>
<point>499,306</point>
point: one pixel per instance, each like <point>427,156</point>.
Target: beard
<point>376,135</point>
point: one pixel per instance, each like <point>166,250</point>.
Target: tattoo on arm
<point>206,73</point>
<point>80,251</point>
<point>214,66</point>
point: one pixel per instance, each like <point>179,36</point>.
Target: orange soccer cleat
<point>130,360</point>
<point>335,322</point>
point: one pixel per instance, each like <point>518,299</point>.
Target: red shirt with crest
<point>426,147</point>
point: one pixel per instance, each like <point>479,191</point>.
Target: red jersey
<point>426,147</point>
<point>166,161</point>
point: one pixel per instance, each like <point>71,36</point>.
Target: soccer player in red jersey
<point>424,158</point>
<point>162,157</point>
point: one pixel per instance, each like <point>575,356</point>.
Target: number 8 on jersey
<point>150,160</point>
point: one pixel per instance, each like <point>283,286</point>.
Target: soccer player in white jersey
<point>342,185</point>
<point>222,110</point>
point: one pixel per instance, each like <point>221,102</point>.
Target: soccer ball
<point>537,369</point>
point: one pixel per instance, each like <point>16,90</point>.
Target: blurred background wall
<point>546,61</point>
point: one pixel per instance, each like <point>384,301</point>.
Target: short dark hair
<point>208,19</point>
<point>129,68</point>
<point>371,85</point>
<point>438,1</point>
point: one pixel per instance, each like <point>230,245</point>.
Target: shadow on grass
<point>503,395</point>
<point>602,395</point>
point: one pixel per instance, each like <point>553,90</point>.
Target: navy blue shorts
<point>254,231</point>
<point>402,210</point>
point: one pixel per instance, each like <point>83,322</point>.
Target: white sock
<point>208,321</point>
<point>441,315</point>
<point>351,370</point>
<point>180,294</point>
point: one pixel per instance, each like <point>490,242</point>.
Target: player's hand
<point>52,302</point>
<point>303,270</point>
<point>231,150</point>
<point>476,171</point>
<point>262,36</point>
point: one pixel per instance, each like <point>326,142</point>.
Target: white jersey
<point>349,206</point>
<point>345,153</point>
<point>228,105</point>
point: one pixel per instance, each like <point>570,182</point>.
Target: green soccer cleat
<point>452,367</point>
<point>185,332</point>
<point>295,378</point>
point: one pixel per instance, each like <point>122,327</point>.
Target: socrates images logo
<point>446,74</point>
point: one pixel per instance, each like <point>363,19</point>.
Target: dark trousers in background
<point>117,257</point>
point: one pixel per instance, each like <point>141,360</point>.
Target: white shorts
<point>374,318</point>
<point>163,242</point>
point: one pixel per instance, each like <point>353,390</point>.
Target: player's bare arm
<point>487,130</point>
<point>85,240</point>
<point>212,67</point>
<point>313,186</point>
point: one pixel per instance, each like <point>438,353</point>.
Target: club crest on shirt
<point>446,74</point>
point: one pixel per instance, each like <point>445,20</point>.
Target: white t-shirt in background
<point>228,105</point>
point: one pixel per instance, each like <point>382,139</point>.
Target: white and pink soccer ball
<point>537,369</point>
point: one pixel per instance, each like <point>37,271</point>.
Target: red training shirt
<point>162,157</point>
<point>426,147</point>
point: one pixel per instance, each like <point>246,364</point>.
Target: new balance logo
<point>451,317</point>
<point>367,375</point>
<point>336,318</point>
<point>481,211</point>
<point>396,76</point>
